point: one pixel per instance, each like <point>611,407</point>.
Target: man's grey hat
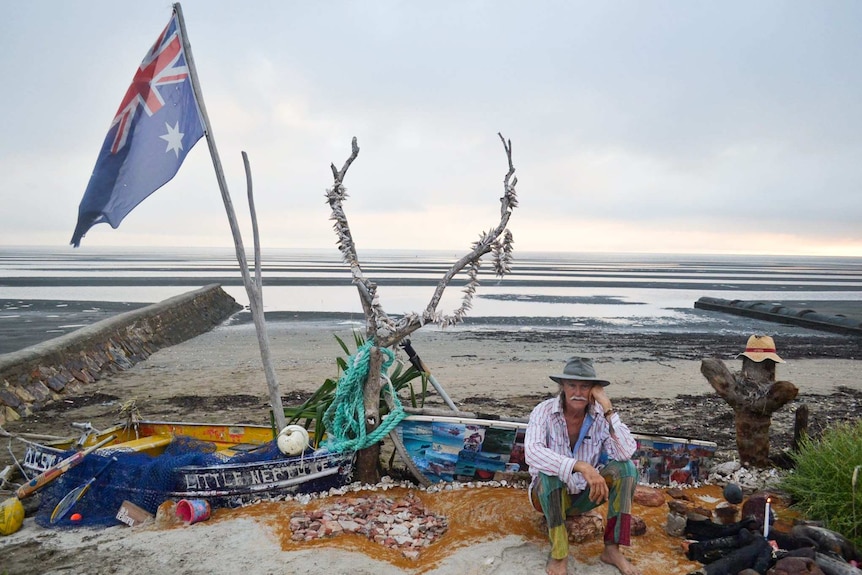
<point>580,369</point>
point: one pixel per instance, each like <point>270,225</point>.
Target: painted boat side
<point>453,448</point>
<point>266,477</point>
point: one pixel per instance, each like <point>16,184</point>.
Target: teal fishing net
<point>345,418</point>
<point>145,480</point>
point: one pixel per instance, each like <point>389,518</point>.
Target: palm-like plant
<point>310,413</point>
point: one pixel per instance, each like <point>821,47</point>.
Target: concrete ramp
<point>34,376</point>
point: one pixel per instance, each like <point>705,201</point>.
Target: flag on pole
<point>156,125</point>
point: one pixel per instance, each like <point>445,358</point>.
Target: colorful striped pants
<point>550,496</point>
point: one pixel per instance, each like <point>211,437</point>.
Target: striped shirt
<point>547,443</point>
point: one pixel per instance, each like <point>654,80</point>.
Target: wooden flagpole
<point>254,291</point>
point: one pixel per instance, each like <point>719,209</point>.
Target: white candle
<point>766,519</point>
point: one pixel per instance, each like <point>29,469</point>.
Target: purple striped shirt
<point>547,443</point>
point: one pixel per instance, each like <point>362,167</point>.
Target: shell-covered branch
<point>497,240</point>
<point>378,324</point>
<point>489,241</point>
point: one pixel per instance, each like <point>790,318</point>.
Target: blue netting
<point>142,479</point>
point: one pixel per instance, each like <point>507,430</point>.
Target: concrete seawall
<point>34,376</point>
<point>847,322</point>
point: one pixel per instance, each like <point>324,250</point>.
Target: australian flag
<point>157,124</point>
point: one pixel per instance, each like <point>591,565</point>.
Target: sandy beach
<point>656,386</point>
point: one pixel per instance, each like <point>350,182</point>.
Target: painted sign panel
<point>447,451</point>
<point>665,460</point>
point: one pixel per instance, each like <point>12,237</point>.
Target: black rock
<point>733,493</point>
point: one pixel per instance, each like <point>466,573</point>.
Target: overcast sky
<point>725,127</point>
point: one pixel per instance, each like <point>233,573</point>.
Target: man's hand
<point>598,487</point>
<point>600,397</point>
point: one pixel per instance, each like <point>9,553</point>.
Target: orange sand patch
<point>483,514</point>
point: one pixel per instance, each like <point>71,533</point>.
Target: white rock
<point>726,468</point>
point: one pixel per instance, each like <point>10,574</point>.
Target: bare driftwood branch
<point>258,281</point>
<point>488,242</point>
<point>376,318</point>
<point>367,460</point>
<point>254,289</point>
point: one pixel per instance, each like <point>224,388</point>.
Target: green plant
<point>310,413</point>
<point>824,484</point>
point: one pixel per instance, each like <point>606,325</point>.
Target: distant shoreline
<point>344,280</point>
<point>27,322</point>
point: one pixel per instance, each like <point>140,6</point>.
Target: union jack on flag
<point>156,125</point>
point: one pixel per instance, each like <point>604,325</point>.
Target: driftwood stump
<point>368,459</point>
<point>754,396</point>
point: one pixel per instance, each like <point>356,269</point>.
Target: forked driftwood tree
<point>754,396</point>
<point>386,332</point>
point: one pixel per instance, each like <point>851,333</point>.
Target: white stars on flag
<point>174,138</point>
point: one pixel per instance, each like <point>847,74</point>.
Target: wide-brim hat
<point>579,369</point>
<point>760,347</point>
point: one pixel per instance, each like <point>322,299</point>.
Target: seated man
<point>567,438</point>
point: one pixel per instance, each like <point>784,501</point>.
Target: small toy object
<point>132,515</point>
<point>11,516</point>
<point>76,517</point>
<point>193,510</point>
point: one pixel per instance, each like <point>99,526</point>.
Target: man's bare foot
<point>557,566</point>
<point>613,556</point>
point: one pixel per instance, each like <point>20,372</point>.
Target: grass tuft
<point>826,483</point>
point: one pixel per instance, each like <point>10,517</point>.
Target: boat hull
<point>227,482</point>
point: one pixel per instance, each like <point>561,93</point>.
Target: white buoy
<point>292,440</point>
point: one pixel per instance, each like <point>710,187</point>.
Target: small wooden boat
<point>225,464</point>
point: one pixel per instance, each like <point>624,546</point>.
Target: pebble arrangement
<point>403,524</point>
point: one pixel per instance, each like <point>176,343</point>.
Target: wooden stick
<point>258,311</point>
<point>254,302</point>
<point>36,436</point>
<point>420,366</point>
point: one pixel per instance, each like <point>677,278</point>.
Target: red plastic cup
<point>193,510</point>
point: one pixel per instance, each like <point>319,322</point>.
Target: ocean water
<point>559,290</point>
